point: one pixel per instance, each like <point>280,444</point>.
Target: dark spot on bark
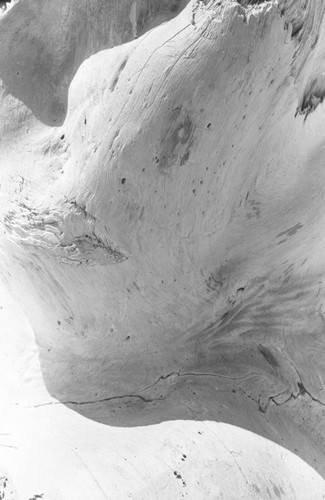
<point>302,389</point>
<point>123,180</point>
<point>178,476</point>
<point>178,135</point>
<point>268,355</point>
<point>277,491</point>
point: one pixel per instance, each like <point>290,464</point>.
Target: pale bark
<point>162,210</point>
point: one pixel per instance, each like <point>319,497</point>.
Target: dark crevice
<point>297,28</point>
<point>247,3</point>
<point>144,399</point>
<point>301,392</point>
<point>310,102</point>
<point>96,401</point>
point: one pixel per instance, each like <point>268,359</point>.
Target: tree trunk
<point>162,201</point>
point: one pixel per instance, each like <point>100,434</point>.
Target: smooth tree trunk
<point>162,205</point>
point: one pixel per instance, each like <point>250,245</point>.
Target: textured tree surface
<point>162,249</point>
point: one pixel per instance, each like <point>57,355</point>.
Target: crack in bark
<point>196,374</point>
<point>217,375</point>
<point>100,488</point>
<point>302,391</point>
<point>272,399</point>
<point>162,377</point>
<point>95,401</point>
<point>142,398</point>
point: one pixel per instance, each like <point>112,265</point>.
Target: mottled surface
<point>162,209</point>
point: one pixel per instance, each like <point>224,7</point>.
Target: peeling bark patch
<point>295,14</point>
<point>54,232</point>
<point>90,250</point>
<point>297,27</point>
<point>313,96</point>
